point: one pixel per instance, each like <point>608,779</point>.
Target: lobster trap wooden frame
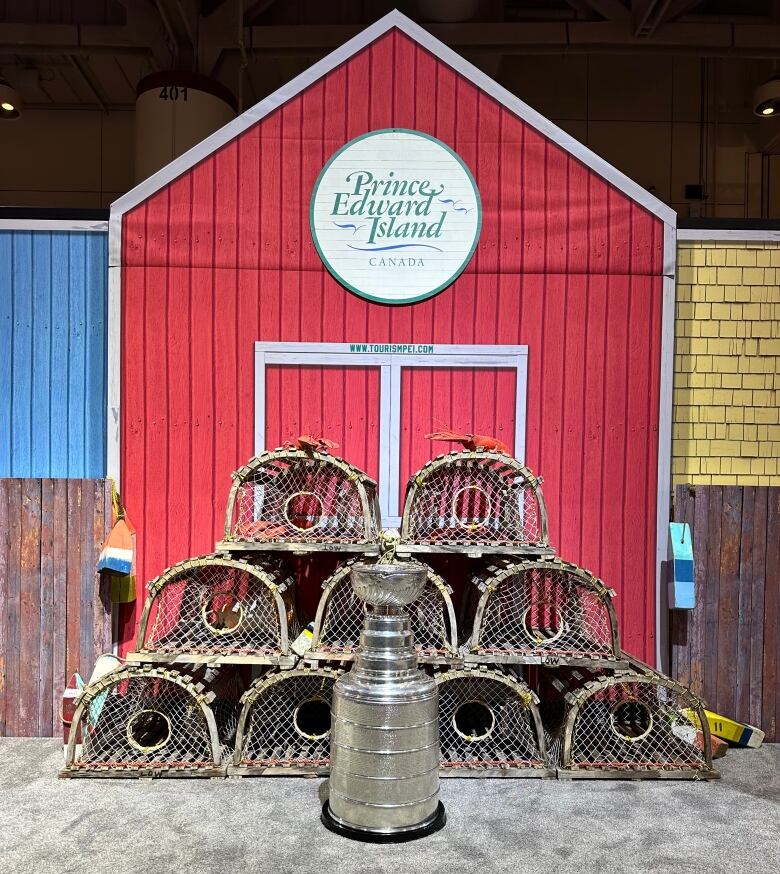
<point>272,738</point>
<point>543,611</point>
<point>489,725</point>
<point>339,621</point>
<point>144,721</point>
<point>634,726</point>
<point>219,610</point>
<point>475,502</point>
<point>291,499</point>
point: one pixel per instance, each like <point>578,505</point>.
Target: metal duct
<point>174,110</point>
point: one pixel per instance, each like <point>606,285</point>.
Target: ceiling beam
<point>712,39</point>
<point>82,107</point>
<point>221,31</point>
<point>680,7</point>
<point>583,9</point>
<point>179,19</point>
<point>66,36</point>
<point>648,15</point>
<point>519,38</point>
<point>207,7</point>
<point>611,10</point>
<point>255,8</point>
<point>144,27</point>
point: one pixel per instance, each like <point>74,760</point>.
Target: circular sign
<point>395,216</point>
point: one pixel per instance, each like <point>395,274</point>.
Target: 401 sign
<point>395,216</point>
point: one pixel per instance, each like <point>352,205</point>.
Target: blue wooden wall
<point>53,297</point>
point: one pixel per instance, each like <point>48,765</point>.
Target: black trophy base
<point>427,827</point>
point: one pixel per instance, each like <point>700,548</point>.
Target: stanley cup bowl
<point>388,585</point>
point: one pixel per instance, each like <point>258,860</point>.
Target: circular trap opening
<point>474,720</point>
<point>304,510</point>
<point>631,720</point>
<point>543,623</point>
<point>471,507</point>
<point>222,614</point>
<point>148,730</point>
<point>312,718</point>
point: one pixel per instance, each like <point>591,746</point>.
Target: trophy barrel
<point>384,773</point>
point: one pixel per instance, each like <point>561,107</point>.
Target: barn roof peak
<point>394,19</point>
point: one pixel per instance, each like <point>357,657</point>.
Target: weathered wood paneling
<point>56,613</point>
<point>727,649</point>
<point>565,264</point>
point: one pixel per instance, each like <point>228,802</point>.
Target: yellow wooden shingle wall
<point>726,427</point>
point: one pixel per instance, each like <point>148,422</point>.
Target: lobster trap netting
<point>488,720</point>
<point>475,498</point>
<point>285,721</point>
<point>542,610</point>
<point>340,615</point>
<point>635,723</point>
<point>142,718</point>
<point>289,495</point>
<point>227,685</point>
<point>220,606</point>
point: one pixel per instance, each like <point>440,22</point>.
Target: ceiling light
<point>766,98</point>
<point>10,104</point>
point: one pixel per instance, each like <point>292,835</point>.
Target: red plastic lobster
<point>471,441</point>
<point>310,444</point>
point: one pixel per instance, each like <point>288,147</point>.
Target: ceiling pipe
<point>242,51</point>
<point>763,53</point>
<point>169,30</point>
<point>74,51</point>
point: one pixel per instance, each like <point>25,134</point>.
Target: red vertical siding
<point>483,400</point>
<point>565,264</point>
<point>341,403</point>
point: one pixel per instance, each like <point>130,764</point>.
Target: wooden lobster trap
<point>340,613</point>
<point>489,725</point>
<point>143,720</point>
<point>542,611</point>
<point>284,728</point>
<point>476,502</point>
<point>633,725</point>
<point>301,501</point>
<point>219,609</point>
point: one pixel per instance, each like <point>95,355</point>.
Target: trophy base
<point>374,836</point>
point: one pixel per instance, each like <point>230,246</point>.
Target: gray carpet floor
<point>271,826</point>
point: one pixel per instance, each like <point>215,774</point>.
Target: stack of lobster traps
<point>214,683</point>
<point>544,687</point>
<point>237,655</point>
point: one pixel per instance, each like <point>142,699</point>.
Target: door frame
<point>391,359</point>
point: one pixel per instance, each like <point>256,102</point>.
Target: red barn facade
<point>556,337</point>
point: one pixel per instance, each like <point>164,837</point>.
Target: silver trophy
<point>384,772</point>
